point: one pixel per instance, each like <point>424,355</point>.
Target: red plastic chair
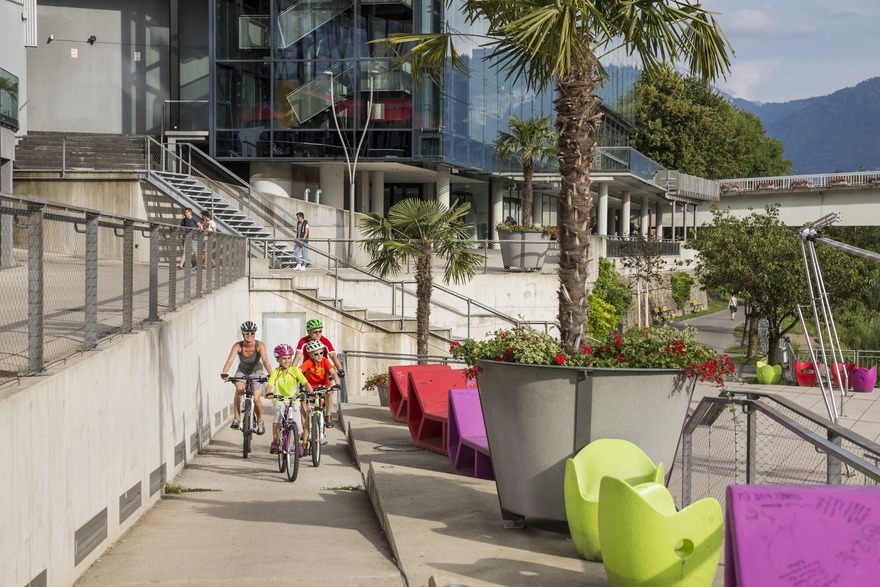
<point>837,371</point>
<point>806,373</point>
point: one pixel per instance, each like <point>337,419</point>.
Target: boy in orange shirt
<point>319,371</point>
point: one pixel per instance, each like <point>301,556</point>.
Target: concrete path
<point>254,527</point>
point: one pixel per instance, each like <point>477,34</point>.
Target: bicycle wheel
<point>282,451</point>
<point>247,421</point>
<point>291,455</point>
<point>315,440</point>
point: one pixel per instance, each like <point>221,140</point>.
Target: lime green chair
<point>606,456</point>
<point>768,374</point>
<point>645,541</point>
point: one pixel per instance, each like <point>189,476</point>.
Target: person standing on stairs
<point>189,222</point>
<point>300,249</point>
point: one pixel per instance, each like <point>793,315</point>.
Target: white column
<point>363,192</point>
<point>625,214</point>
<point>443,186</point>
<point>602,211</point>
<point>377,192</point>
<point>334,184</point>
<point>646,216</point>
<point>497,195</point>
<point>673,220</point>
<point>684,222</point>
<point>695,220</point>
<point>658,223</point>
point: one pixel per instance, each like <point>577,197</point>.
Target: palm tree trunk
<point>424,282</point>
<point>528,174</point>
<point>577,120</point>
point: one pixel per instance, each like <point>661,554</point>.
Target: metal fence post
<point>187,266</point>
<point>751,443</point>
<point>834,467</point>
<point>91,285</point>
<point>687,443</point>
<point>343,393</point>
<point>155,235</point>
<point>200,258</point>
<point>127,275</point>
<point>172,274</point>
<point>36,282</point>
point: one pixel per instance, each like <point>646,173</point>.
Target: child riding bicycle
<point>318,370</point>
<point>315,329</point>
<point>285,381</point>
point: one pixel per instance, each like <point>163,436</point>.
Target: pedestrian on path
<point>189,222</point>
<point>732,306</point>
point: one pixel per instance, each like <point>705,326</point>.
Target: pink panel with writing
<point>802,536</point>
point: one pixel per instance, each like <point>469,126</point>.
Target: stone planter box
<point>382,391</point>
<point>523,251</point>
<point>538,416</point>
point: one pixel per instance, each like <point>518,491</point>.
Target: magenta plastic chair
<point>467,445</point>
<point>862,379</point>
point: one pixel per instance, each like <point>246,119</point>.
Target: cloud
<point>750,22</point>
<point>748,76</point>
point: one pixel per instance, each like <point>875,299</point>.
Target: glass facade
<point>274,66</point>
<point>8,99</point>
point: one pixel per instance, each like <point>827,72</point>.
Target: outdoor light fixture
<point>351,163</point>
<point>49,40</point>
<point>92,40</point>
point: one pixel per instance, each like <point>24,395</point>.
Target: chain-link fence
<point>71,277</point>
<point>766,440</point>
<point>363,365</point>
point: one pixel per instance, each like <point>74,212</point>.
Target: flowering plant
<point>730,187</point>
<point>546,229</point>
<point>767,185</point>
<point>375,381</point>
<point>801,183</point>
<point>837,179</point>
<point>649,348</point>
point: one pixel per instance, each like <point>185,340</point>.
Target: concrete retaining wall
<point>88,448</point>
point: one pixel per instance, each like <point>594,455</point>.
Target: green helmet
<point>312,324</point>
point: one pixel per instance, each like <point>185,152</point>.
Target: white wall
<point>79,438</point>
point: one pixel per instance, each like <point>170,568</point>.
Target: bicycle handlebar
<point>246,378</point>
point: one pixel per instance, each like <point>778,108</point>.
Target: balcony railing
<point>800,182</point>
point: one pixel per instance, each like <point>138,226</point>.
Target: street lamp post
<point>351,162</point>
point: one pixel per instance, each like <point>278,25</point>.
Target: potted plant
<point>874,180</point>
<point>837,180</point>
<point>767,185</point>
<point>524,246</point>
<point>379,383</point>
<point>730,187</point>
<point>541,405</point>
<point>801,183</point>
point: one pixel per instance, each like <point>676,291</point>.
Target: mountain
<point>839,132</point>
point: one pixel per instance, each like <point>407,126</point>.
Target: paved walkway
<point>434,528</point>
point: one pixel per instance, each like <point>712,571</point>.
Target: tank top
<point>249,364</point>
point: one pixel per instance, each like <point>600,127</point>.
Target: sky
<point>792,49</point>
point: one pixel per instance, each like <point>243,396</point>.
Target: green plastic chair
<point>607,456</point>
<point>768,374</point>
<point>645,542</point>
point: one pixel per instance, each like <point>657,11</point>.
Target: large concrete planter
<point>523,251</point>
<point>539,416</point>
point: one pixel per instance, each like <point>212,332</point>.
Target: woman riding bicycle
<point>315,331</point>
<point>285,381</point>
<point>319,371</point>
<point>251,353</point>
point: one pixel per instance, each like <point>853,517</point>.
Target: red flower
<point>560,359</point>
<point>455,344</point>
<point>617,340</point>
<point>621,358</point>
<point>587,350</point>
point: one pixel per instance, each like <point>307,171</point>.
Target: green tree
<point>418,230</point>
<point>760,259</point>
<point>684,124</point>
<point>559,42</point>
<point>681,289</point>
<point>613,290</point>
<point>528,141</point>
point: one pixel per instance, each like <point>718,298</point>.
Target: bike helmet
<point>284,350</point>
<point>248,326</point>
<point>314,345</point>
<point>312,324</point>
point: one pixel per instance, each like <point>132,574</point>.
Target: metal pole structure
<point>351,162</point>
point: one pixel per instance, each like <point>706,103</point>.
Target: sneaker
<point>235,424</point>
<point>261,428</point>
<point>300,267</point>
<point>307,452</point>
<point>300,450</point>
<point>328,423</point>
<point>273,450</point>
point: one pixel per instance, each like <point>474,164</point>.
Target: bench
<point>398,386</point>
<point>466,439</point>
<point>428,405</point>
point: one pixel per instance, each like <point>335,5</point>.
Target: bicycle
<point>316,405</point>
<point>289,447</point>
<point>248,422</point>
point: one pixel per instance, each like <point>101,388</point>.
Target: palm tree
<point>528,141</point>
<point>560,42</point>
<point>8,86</point>
<point>418,230</point>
